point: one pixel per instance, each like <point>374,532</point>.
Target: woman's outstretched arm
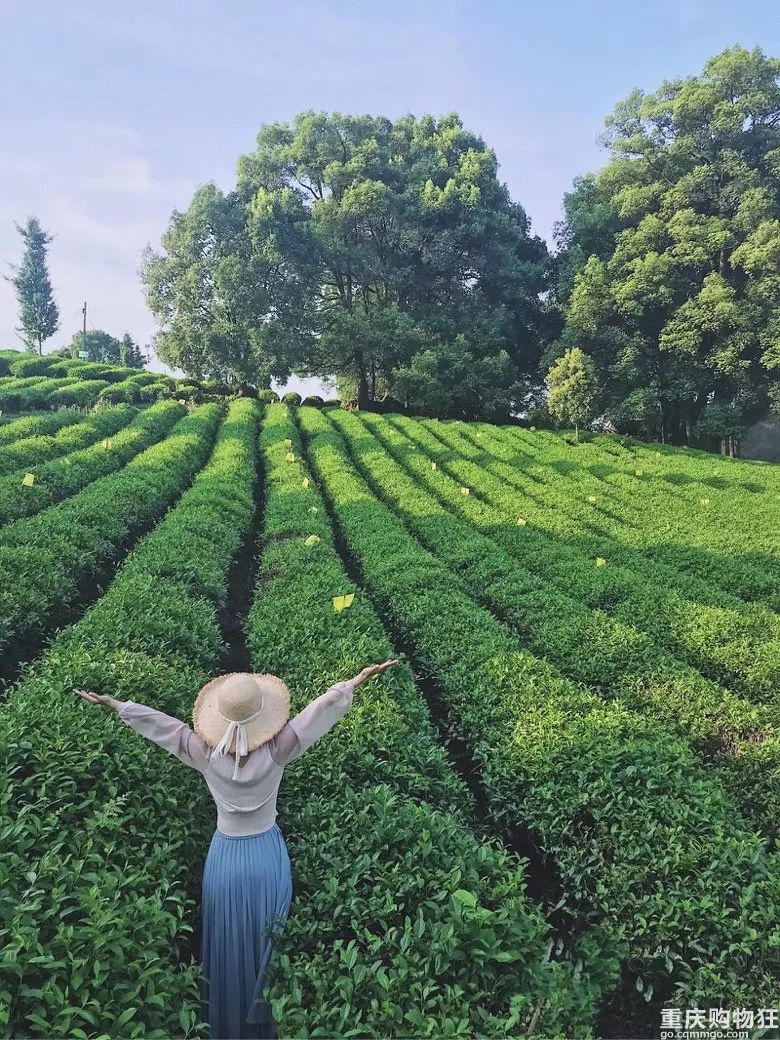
<point>319,716</point>
<point>169,733</point>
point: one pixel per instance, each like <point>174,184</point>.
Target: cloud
<point>196,80</point>
<point>103,151</point>
<point>103,202</point>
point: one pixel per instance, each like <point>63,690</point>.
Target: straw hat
<point>239,711</point>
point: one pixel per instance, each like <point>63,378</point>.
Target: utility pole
<point>84,328</point>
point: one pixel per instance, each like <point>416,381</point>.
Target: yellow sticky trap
<point>342,602</point>
<point>290,456</point>
<point>532,429</point>
<point>305,482</point>
<point>313,539</point>
<point>182,400</point>
<point>658,454</point>
<point>288,442</point>
<point>704,501</point>
<point>592,498</point>
<point>106,442</point>
<point>640,472</point>
<point>464,491</point>
<point>28,480</point>
<point>600,561</point>
<point>433,465</point>
<point>521,521</point>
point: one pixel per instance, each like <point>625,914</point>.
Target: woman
<point>241,742</point>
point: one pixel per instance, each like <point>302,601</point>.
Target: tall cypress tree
<point>130,353</point>
<point>38,312</point>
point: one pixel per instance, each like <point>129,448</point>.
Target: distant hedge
<point>157,391</point>
<point>31,365</point>
<point>188,390</point>
<point>81,394</point>
<point>216,387</point>
<point>126,392</point>
<point>144,378</point>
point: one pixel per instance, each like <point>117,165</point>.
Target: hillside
<point>557,817</point>
<point>30,382</point>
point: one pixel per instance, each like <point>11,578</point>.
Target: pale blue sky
<point>112,113</point>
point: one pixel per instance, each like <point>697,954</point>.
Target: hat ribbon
<point>242,741</point>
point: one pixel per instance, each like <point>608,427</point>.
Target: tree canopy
<point>350,246</point>
<point>103,347</point>
<point>388,255</point>
<point>38,312</point>
<point>669,269</point>
<point>571,383</point>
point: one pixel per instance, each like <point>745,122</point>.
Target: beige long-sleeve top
<point>246,805</point>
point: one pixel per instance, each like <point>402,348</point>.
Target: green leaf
<point>126,1015</point>
<point>464,897</point>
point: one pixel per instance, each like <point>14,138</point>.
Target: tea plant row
<point>38,425</point>
<point>44,557</point>
<point>725,638</point>
<point>618,804</point>
<point>722,534</point>
<point>607,656</point>
<point>36,450</point>
<point>405,922</point>
<point>104,833</point>
<point>57,480</point>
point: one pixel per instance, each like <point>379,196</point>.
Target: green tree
<point>588,229</point>
<point>130,353</point>
<point>349,244</point>
<point>214,292</point>
<point>38,312</point>
<point>455,380</point>
<point>669,268</point>
<point>725,422</point>
<point>103,347</point>
<point>571,383</point>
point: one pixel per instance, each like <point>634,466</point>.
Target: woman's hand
<point>372,669</point>
<point>98,698</point>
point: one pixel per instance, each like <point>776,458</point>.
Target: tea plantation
<point>558,817</point>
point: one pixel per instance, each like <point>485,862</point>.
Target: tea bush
<point>617,803</point>
<point>42,558</point>
<point>94,925</point>
<point>35,450</point>
<point>386,756</point>
<point>57,480</point>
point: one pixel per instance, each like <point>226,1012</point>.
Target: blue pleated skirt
<point>247,889</point>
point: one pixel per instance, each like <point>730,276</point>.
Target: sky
<point>113,114</point>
